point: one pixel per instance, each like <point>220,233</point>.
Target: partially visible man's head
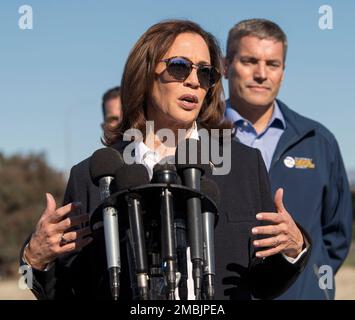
<point>255,62</point>
<point>111,107</point>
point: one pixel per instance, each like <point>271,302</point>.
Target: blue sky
<point>52,77</point>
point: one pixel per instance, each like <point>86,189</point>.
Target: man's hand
<point>52,237</point>
<point>285,238</point>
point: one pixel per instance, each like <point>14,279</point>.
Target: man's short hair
<point>108,95</point>
<point>260,28</point>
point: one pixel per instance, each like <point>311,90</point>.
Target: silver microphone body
<point>112,239</point>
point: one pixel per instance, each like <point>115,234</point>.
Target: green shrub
<point>24,180</point>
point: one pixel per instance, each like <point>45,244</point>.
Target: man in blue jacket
<point>302,156</point>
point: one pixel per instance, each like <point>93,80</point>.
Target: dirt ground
<point>345,284</point>
<point>9,290</point>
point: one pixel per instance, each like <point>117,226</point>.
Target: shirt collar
<point>277,119</point>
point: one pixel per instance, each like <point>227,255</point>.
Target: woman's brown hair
<point>139,72</point>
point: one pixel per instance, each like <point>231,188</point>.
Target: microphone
<point>127,177</point>
<point>102,166</point>
<point>181,245</point>
<point>190,167</point>
<point>166,173</point>
<point>210,189</point>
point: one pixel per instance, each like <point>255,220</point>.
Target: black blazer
<point>244,192</point>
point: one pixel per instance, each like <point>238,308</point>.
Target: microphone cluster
<point>174,211</point>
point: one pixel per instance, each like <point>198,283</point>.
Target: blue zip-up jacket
<point>307,163</point>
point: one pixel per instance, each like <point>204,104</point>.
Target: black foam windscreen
<point>189,154</point>
<point>210,189</point>
<point>103,163</point>
<point>164,166</point>
<point>131,175</point>
<point>164,172</point>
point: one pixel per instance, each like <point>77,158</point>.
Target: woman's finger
<point>75,235</point>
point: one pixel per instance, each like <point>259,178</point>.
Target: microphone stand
<point>168,242</point>
<point>167,174</point>
<point>155,271</point>
<point>138,239</point>
<point>194,219</point>
<point>181,246</point>
<point>209,255</point>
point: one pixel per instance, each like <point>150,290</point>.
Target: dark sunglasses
<point>180,68</point>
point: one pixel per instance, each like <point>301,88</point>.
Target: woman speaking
<point>172,79</point>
